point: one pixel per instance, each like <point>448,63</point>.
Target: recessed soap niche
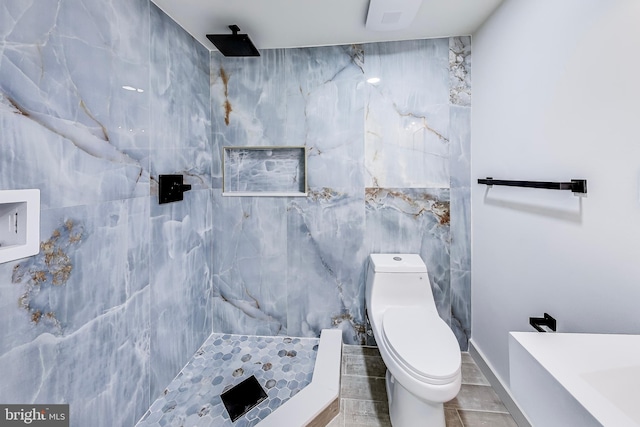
<point>264,171</point>
<point>19,224</point>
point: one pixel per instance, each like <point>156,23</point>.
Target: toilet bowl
<point>420,351</point>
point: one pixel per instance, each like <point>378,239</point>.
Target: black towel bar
<point>576,185</point>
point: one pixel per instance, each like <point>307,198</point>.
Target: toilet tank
<point>397,280</point>
<point>397,263</point>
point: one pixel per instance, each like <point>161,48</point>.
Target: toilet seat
<point>422,343</point>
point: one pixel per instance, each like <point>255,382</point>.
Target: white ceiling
<point>301,23</point>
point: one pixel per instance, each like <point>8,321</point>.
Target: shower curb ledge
<point>319,402</point>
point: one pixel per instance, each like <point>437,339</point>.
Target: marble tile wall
<point>181,237</point>
<point>96,100</point>
<point>388,170</point>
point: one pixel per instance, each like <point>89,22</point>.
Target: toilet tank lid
<point>397,263</point>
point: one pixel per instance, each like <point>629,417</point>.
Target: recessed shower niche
<point>264,171</point>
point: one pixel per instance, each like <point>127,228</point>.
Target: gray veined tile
<point>324,274</point>
<point>461,306</point>
<point>73,124</point>
<point>250,277</point>
<point>460,207</point>
<point>414,220</point>
<point>398,134</point>
<point>183,93</point>
<point>407,116</point>
<point>238,88</point>
<point>460,70</point>
<point>406,69</point>
<point>460,146</point>
<point>407,149</point>
<point>325,86</point>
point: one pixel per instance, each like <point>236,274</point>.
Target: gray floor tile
<point>358,364</point>
<point>365,413</point>
<point>363,388</point>
<point>360,349</point>
<point>364,401</point>
<point>483,419</point>
<point>477,397</point>
<point>471,374</point>
<point>452,418</point>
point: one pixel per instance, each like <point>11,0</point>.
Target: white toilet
<point>419,349</point>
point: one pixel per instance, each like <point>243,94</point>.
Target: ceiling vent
<point>391,15</point>
<point>234,44</point>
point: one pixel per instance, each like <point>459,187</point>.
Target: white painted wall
<point>556,96</point>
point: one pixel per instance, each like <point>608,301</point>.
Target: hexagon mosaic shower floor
<point>283,366</point>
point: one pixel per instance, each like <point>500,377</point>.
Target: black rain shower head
<point>234,44</point>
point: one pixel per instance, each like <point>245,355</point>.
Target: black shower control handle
<point>171,188</point>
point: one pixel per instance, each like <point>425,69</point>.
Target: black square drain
<point>241,398</point>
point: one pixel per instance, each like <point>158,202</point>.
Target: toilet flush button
<point>397,258</point>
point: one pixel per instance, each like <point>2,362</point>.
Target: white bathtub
<point>566,380</point>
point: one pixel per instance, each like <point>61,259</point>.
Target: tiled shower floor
<point>282,366</point>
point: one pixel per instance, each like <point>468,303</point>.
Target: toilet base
<point>406,410</point>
